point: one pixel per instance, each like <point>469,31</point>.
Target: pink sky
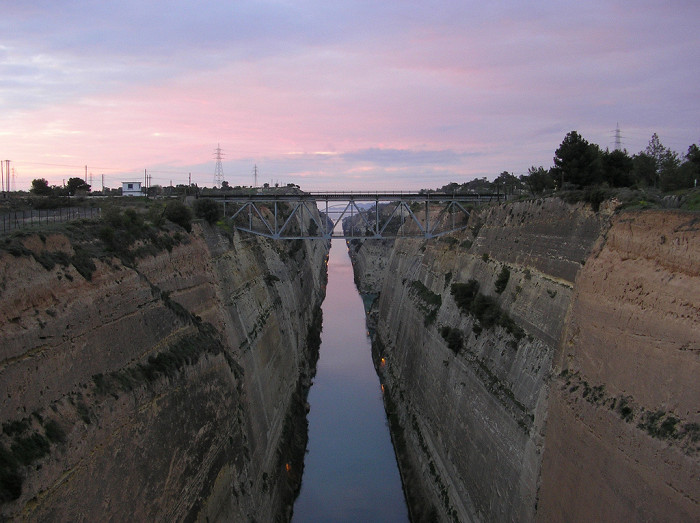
<point>337,95</point>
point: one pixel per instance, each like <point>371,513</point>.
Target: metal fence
<point>17,219</point>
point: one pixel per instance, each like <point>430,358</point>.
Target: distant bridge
<point>373,215</point>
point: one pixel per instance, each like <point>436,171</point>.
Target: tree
<point>506,183</point>
<point>617,168</point>
<point>40,187</point>
<point>674,175</point>
<point>538,180</point>
<point>643,169</point>
<point>577,162</point>
<point>666,161</point>
<point>77,184</point>
<point>693,155</point>
<point>207,209</point>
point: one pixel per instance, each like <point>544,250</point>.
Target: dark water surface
<point>350,471</point>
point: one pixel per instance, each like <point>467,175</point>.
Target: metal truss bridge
<point>350,215</point>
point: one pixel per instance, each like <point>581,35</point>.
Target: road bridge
<point>349,215</point>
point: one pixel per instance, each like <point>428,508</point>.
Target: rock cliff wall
<point>623,436</point>
<point>166,387</point>
<point>468,329</point>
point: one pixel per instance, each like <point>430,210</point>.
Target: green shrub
<point>83,263</point>
<point>15,427</point>
<point>451,241</point>
<point>30,448</point>
<point>484,308</point>
<point>453,337</point>
<point>502,280</point>
<point>209,210</point>
<point>464,294</point>
<point>178,213</point>
<point>659,425</point>
<point>693,431</point>
<point>425,294</point>
<point>10,480</point>
<point>624,409</point>
<point>595,196</point>
<point>430,302</point>
<point>54,432</point>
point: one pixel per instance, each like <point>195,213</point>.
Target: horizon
<point>343,96</point>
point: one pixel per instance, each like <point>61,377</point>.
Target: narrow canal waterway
<point>350,472</point>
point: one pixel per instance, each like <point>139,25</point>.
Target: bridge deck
<point>271,214</point>
<point>355,197</point>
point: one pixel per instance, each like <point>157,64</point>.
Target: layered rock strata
<point>473,330</point>
<point>623,431</point>
<point>167,388</point>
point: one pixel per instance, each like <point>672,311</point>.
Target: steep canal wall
<point>164,382</point>
<point>543,364</point>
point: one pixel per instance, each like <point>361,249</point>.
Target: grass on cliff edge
<point>129,233</point>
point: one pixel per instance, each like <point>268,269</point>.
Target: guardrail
<point>15,220</point>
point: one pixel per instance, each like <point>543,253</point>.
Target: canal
<point>350,471</point>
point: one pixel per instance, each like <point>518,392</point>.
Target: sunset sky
<point>337,94</point>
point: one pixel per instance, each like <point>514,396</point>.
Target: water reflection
<point>350,472</point>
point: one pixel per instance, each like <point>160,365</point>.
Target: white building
<point>131,189</point>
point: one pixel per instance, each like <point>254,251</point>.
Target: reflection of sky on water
<point>350,471</point>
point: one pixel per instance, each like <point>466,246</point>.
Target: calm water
<point>350,471</point>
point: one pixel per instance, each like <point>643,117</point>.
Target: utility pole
<point>7,175</point>
<point>255,175</point>
<point>86,176</point>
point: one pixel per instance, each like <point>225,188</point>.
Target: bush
<point>453,337</point>
<point>426,294</point>
<point>30,448</point>
<point>464,294</point>
<point>502,279</point>
<point>178,213</point>
<point>484,308</point>
<point>208,210</point>
<point>54,432</point>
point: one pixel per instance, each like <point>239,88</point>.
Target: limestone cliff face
<point>623,431</point>
<point>467,384</point>
<point>544,366</point>
<point>169,388</point>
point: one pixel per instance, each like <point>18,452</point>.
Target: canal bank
<point>350,471</point>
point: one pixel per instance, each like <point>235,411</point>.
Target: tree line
<point>579,164</point>
<point>76,185</point>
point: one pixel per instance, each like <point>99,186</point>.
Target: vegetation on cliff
<point>429,302</point>
<point>485,309</point>
<point>127,233</point>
